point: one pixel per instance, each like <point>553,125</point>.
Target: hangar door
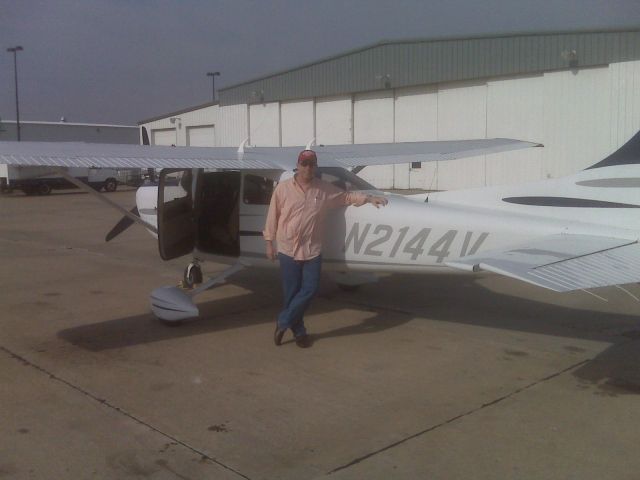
<point>201,136</point>
<point>373,123</point>
<point>296,119</point>
<point>163,136</point>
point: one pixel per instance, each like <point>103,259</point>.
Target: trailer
<point>40,180</point>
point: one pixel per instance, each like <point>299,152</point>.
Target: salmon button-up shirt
<point>296,218</point>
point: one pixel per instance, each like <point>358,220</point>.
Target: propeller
<point>122,225</point>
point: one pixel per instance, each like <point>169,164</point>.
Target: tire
<point>28,190</point>
<point>192,275</point>
<point>110,185</point>
<point>43,189</point>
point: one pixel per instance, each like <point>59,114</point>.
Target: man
<point>295,220</point>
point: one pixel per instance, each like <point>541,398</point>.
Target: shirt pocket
<point>315,204</point>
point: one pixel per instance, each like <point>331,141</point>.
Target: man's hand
<point>271,252</point>
<point>377,201</point>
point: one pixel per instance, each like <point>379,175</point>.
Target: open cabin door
<point>257,188</point>
<point>217,213</point>
<point>176,224</point>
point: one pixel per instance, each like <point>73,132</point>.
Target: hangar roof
<point>178,112</point>
<point>393,64</point>
<point>34,131</point>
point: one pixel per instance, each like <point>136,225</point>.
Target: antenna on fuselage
<point>310,144</point>
<point>243,145</point>
<point>435,175</point>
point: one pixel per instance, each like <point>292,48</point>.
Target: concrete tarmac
<point>445,377</point>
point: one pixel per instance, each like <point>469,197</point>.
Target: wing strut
<point>108,201</point>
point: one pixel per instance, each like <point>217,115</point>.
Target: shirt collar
<point>314,181</point>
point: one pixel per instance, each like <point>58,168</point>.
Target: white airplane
<point>576,232</point>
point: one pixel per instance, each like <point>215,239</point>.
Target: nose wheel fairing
<point>174,304</point>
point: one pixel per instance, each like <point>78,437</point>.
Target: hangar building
<point>578,93</point>
<point>68,132</point>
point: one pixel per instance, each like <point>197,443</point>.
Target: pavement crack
<point>460,416</point>
<point>117,409</point>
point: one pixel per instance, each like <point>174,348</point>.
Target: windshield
<point>343,179</point>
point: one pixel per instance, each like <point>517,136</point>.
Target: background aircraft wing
<point>59,154</point>
<point>563,262</point>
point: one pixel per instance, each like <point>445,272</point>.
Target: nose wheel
<point>192,275</point>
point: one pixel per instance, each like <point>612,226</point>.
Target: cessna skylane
<point>570,233</point>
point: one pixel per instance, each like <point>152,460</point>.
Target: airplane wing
<point>563,262</point>
<point>59,154</point>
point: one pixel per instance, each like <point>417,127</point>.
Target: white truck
<point>37,181</point>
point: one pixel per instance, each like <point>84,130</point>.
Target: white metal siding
<point>163,132</point>
<point>624,101</point>
<point>264,124</point>
<point>204,136</point>
<point>576,120</point>
<point>333,120</point>
<point>515,109</point>
<point>373,123</point>
<point>297,123</point>
<point>203,116</point>
<point>579,115</point>
<point>233,127</point>
<point>416,119</point>
<point>462,114</point>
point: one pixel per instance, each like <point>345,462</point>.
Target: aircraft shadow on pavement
<point>398,299</point>
<point>450,298</point>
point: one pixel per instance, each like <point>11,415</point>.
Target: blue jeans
<point>300,282</point>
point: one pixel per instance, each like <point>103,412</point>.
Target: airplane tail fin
<point>607,193</point>
<point>627,154</point>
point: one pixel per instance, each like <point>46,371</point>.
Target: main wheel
<point>43,189</point>
<point>192,275</point>
<point>110,185</point>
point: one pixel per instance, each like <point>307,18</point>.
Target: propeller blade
<point>121,226</point>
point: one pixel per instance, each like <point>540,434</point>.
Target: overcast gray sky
<point>121,61</point>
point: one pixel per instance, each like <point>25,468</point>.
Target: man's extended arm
<point>339,198</point>
<point>376,200</point>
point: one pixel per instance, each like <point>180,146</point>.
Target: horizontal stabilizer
<point>563,262</point>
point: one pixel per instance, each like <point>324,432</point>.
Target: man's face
<point>307,169</point>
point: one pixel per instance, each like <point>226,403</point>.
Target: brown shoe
<point>277,336</point>
<point>304,341</point>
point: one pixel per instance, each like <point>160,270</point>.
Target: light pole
<point>213,76</point>
<point>15,51</point>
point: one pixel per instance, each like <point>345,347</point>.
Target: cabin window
<point>257,190</point>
